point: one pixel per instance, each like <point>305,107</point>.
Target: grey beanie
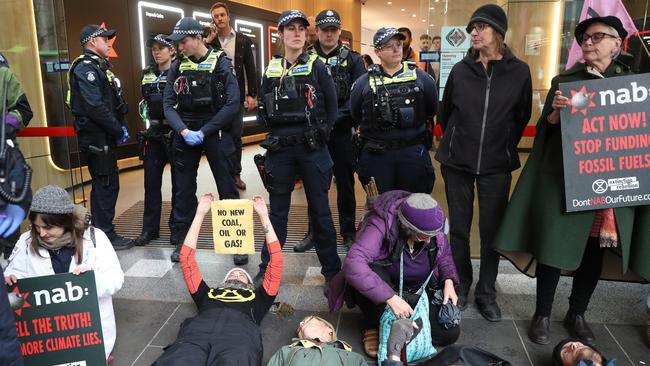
<point>52,200</point>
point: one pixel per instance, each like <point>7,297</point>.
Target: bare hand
<point>259,205</point>
<point>559,101</point>
<point>205,203</point>
<point>80,269</point>
<point>399,307</point>
<point>449,292</point>
<point>250,103</point>
<point>10,280</point>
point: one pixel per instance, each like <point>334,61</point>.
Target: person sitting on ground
<point>573,352</point>
<point>226,329</point>
<point>317,344</point>
<point>399,224</point>
<point>60,240</point>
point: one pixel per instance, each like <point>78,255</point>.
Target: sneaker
<point>145,238</point>
<point>121,243</point>
<point>240,183</point>
<point>240,259</point>
<point>305,244</point>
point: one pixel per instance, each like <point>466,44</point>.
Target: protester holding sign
<point>485,108</point>
<point>537,232</point>
<point>226,329</point>
<point>61,240</point>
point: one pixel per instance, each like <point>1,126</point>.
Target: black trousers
<point>341,151</point>
<point>409,169</point>
<point>156,156</point>
<point>104,190</point>
<point>219,150</point>
<point>493,191</point>
<point>315,168</point>
<point>585,280</point>
<point>237,129</point>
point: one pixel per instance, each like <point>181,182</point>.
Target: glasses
<point>396,46</point>
<point>480,27</point>
<point>596,37</point>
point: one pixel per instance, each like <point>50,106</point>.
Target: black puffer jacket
<point>484,113</point>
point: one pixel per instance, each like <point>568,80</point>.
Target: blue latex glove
<point>125,136</point>
<point>11,216</point>
<point>194,138</point>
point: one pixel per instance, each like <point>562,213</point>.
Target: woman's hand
<point>80,269</point>
<point>259,205</point>
<point>559,102</point>
<point>449,293</point>
<point>205,203</point>
<point>399,307</point>
<point>10,280</point>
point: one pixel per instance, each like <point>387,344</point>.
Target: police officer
<point>96,101</point>
<point>201,101</point>
<point>345,66</point>
<point>393,102</point>
<point>299,107</point>
<point>156,141</point>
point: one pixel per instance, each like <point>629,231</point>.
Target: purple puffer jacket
<point>375,241</point>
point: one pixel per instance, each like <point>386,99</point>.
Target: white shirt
<point>228,44</point>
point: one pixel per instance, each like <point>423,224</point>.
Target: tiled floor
<point>154,301</point>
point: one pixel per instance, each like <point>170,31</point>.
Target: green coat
<point>307,353</point>
<point>536,226</point>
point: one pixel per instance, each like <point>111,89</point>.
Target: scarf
<point>608,233</point>
<point>65,240</point>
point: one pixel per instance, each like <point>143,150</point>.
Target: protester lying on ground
<point>399,227</point>
<point>572,352</point>
<point>60,240</point>
<point>226,329</point>
<point>317,344</point>
<point>402,332</point>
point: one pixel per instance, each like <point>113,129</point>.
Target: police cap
<point>93,30</point>
<point>160,39</point>
<point>328,18</point>
<point>290,15</point>
<point>187,26</point>
<point>384,34</point>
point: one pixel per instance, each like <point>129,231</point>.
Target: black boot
<point>121,243</point>
<point>240,259</point>
<point>578,327</point>
<point>538,332</point>
<point>177,238</point>
<point>145,238</point>
<point>305,244</point>
<point>348,240</point>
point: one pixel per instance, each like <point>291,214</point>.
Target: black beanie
<point>491,14</point>
<point>557,359</point>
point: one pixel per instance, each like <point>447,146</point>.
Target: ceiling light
<point>431,8</point>
<point>424,20</point>
<point>431,25</point>
<point>414,15</point>
<point>390,3</point>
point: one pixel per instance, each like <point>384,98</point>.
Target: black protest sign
<point>58,320</point>
<point>605,142</point>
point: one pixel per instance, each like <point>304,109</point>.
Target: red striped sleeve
<point>273,274</point>
<point>596,224</point>
<point>190,269</point>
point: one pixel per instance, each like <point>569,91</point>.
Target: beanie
<point>52,200</point>
<point>556,355</point>
<point>250,279</point>
<point>491,14</point>
<point>422,214</point>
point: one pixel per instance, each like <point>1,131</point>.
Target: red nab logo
<point>18,301</point>
<point>581,100</point>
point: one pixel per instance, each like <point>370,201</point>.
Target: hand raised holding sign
<point>559,102</point>
<point>259,205</point>
<point>205,203</point>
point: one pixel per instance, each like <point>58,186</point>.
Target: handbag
<point>420,347</point>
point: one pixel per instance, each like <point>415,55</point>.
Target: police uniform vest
<point>294,98</point>
<point>197,87</point>
<point>338,66</point>
<point>153,87</point>
<point>396,102</point>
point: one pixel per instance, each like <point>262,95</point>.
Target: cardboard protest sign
<point>232,227</point>
<point>58,320</point>
<point>606,142</point>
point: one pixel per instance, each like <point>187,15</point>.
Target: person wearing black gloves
<point>345,66</point>
<point>201,101</point>
<point>393,103</point>
<point>299,107</point>
<point>95,98</point>
<point>155,142</point>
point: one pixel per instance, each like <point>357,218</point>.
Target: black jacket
<point>244,64</point>
<point>9,346</point>
<point>483,118</point>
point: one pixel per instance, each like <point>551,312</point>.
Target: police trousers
<point>341,151</point>
<point>408,168</point>
<point>219,151</point>
<point>315,168</point>
<point>157,153</point>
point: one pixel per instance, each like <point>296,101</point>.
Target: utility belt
<point>101,151</point>
<point>158,122</point>
<point>163,134</point>
<point>379,146</point>
<point>312,139</point>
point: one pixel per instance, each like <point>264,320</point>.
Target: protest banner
<point>58,321</point>
<point>232,226</point>
<point>605,142</point>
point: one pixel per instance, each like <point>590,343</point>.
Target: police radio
<point>386,111</point>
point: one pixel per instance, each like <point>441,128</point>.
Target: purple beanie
<point>422,214</point>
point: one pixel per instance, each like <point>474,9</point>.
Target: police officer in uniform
<point>156,141</point>
<point>299,106</point>
<point>393,102</point>
<point>345,66</point>
<point>201,101</point>
<point>95,98</point>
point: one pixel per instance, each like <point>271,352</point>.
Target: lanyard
<point>401,276</point>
